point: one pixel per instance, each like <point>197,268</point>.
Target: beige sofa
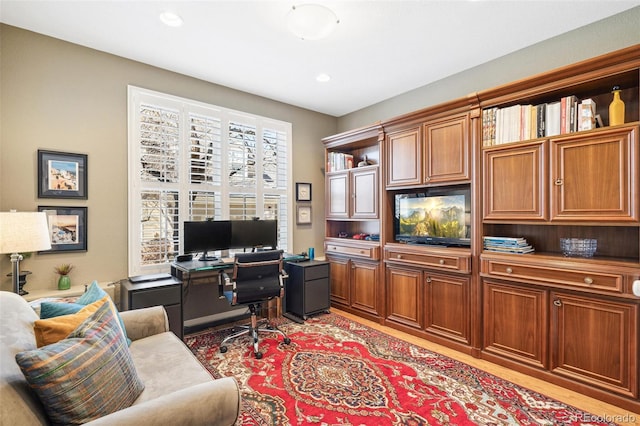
<point>178,389</point>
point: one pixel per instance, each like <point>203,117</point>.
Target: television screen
<point>440,217</point>
<point>205,236</point>
<point>254,234</point>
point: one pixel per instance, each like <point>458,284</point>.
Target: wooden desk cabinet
<point>307,288</point>
<point>166,292</point>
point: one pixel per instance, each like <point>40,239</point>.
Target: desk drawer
<point>316,272</point>
<point>582,279</point>
<point>168,295</point>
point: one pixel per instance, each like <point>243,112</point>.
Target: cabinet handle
<point>399,256</point>
<point>509,271</point>
<point>428,280</point>
<point>441,261</point>
<point>558,182</point>
<point>588,280</point>
<point>557,302</point>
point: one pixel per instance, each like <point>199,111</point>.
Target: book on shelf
<point>507,245</point>
<point>339,161</point>
<point>552,119</point>
<point>540,116</point>
<point>586,115</point>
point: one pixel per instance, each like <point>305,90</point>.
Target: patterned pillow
<point>93,294</point>
<point>86,376</point>
<point>52,330</point>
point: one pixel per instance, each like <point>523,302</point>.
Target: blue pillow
<point>93,294</point>
<point>56,309</point>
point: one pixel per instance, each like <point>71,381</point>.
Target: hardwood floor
<point>598,408</point>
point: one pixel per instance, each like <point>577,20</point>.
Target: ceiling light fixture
<point>171,19</point>
<point>311,21</point>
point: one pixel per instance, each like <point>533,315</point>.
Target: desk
<point>200,300</point>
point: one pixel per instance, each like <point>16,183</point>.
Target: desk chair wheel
<point>258,355</point>
<point>223,349</point>
<point>287,341</point>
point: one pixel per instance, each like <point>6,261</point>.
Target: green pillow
<point>87,375</point>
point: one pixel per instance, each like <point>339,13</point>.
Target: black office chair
<point>257,277</point>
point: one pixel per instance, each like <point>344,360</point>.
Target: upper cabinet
<point>447,152</point>
<point>432,152</point>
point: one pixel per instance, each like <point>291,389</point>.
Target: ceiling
<point>379,49</point>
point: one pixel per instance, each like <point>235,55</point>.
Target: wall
<point>613,33</point>
<point>64,97</point>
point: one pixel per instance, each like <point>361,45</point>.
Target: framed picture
<point>304,215</point>
<point>67,228</point>
<point>303,191</point>
<point>62,175</point>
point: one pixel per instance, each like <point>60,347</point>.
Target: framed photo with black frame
<point>303,191</point>
<point>67,228</point>
<point>62,175</point>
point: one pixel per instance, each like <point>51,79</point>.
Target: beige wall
<point>601,37</point>
<point>64,97</point>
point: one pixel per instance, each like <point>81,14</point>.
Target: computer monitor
<point>254,234</point>
<point>205,236</point>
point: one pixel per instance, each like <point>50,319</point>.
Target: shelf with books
<point>572,104</point>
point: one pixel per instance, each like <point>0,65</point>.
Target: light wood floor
<point>575,399</point>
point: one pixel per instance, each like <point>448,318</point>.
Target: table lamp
<point>22,232</point>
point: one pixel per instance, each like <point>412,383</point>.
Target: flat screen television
<point>438,216</point>
<point>254,234</point>
<point>206,236</point>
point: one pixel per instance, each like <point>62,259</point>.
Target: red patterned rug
<point>339,372</point>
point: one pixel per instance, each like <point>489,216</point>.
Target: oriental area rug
<point>339,372</point>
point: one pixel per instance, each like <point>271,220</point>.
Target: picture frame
<point>303,216</point>
<point>303,191</point>
<point>67,228</point>
<point>62,175</point>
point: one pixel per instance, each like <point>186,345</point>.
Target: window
<point>193,161</point>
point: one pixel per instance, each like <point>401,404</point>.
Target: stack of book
<point>507,245</point>
<point>339,161</point>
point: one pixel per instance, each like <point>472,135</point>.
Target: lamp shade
<point>23,232</point>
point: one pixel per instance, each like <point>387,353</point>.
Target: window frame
<point>136,97</point>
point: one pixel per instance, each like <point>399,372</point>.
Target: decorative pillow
<point>93,294</point>
<point>86,376</point>
<point>52,330</point>
<point>56,309</point>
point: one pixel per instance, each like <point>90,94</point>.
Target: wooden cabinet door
<point>403,156</point>
<point>338,195</point>
<point>595,178</point>
<point>515,322</point>
<point>447,311</point>
<point>365,284</point>
<point>515,182</point>
<point>364,185</point>
<point>404,296</point>
<point>340,276</point>
<point>447,154</point>
<point>595,342</point>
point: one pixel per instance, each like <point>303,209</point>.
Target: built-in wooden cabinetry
<point>571,321</point>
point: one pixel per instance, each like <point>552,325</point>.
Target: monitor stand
<point>206,258</point>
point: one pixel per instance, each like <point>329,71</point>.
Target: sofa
<point>177,388</point>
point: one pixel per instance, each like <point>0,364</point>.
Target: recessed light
<point>323,78</point>
<point>171,19</point>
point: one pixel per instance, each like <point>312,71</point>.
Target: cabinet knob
<point>441,261</point>
<point>399,256</point>
<point>558,182</point>
<point>362,252</point>
<point>428,280</point>
<point>557,302</point>
<point>588,280</point>
<point>509,271</point>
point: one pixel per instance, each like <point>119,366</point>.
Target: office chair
<point>257,277</point>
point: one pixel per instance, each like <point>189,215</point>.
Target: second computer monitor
<point>251,234</point>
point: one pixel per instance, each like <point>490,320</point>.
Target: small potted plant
<point>64,282</point>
